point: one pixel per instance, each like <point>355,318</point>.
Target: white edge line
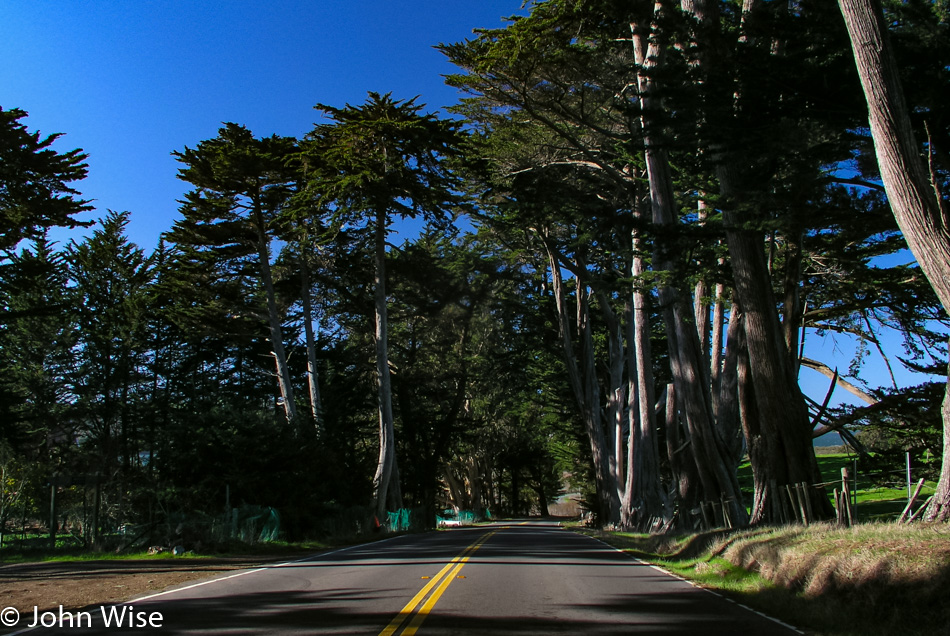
<point>312,557</point>
<point>272,566</point>
<point>698,587</point>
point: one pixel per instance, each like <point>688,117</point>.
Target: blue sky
<point>132,81</point>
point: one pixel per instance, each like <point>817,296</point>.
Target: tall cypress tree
<point>242,185</point>
<point>377,161</point>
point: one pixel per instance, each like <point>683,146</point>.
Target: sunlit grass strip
<point>871,579</point>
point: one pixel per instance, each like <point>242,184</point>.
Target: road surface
<point>529,578</point>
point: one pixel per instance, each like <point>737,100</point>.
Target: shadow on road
<point>343,611</point>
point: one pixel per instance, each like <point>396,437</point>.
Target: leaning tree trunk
<point>582,375</point>
<point>918,206</point>
<point>276,332</point>
<point>387,443</point>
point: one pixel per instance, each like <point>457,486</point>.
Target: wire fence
<point>799,503</point>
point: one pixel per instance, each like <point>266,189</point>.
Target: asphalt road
<point>528,578</point>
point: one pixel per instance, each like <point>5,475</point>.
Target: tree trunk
<point>643,498</point>
<point>456,490</point>
<point>783,427</point>
<point>784,422</point>
<point>766,504</point>
<point>313,378</point>
<point>475,483</point>
<point>538,488</point>
<point>682,464</point>
<point>918,207</point>
<point>687,359</point>
<point>276,332</point>
<point>394,494</point>
<point>728,419</point>
<point>616,394</point>
<point>387,443</point>
<point>716,358</point>
<point>701,302</point>
<point>792,305</point>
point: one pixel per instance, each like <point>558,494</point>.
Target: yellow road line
<point>454,566</point>
<point>411,605</point>
<point>429,604</point>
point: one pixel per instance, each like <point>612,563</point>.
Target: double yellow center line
<point>440,582</point>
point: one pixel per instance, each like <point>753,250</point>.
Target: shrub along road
<point>527,578</point>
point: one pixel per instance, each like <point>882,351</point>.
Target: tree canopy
<point>36,189</point>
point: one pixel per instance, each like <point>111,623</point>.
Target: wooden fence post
<point>806,495</point>
<point>846,495</point>
<point>52,516</point>
<point>839,518</point>
<point>791,500</point>
<point>910,503</point>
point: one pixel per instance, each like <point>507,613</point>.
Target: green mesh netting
<point>255,523</point>
<point>271,525</point>
<point>398,521</point>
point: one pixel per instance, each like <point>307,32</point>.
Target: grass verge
<point>275,549</point>
<point>873,579</point>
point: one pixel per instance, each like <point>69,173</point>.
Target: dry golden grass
<point>823,558</point>
<point>871,579</point>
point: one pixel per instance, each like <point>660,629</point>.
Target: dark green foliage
<point>35,190</point>
<point>382,157</point>
<point>36,346</point>
<point>110,277</point>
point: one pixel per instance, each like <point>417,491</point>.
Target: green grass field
<point>874,503</point>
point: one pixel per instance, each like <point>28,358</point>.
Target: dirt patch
<point>76,585</point>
